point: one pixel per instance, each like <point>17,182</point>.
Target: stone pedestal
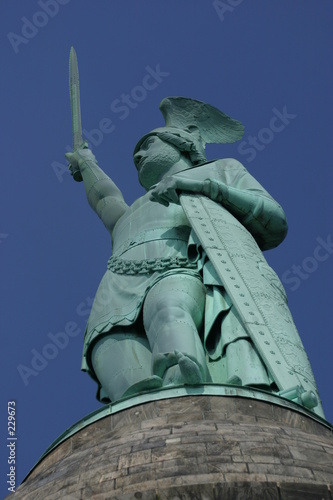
<point>189,447</point>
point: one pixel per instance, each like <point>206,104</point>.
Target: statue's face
<point>154,159</point>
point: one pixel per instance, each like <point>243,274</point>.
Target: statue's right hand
<point>80,156</point>
<point>77,159</point>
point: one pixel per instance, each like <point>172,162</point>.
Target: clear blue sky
<point>255,61</point>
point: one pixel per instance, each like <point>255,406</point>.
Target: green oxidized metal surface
<point>159,304</point>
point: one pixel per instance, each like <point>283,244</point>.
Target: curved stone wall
<point>207,447</point>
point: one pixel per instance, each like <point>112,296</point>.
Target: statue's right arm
<point>104,197</point>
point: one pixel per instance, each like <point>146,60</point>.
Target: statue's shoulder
<point>228,164</point>
<point>224,170</point>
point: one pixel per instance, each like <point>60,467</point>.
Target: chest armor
<point>149,230</point>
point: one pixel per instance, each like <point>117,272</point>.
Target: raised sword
<point>74,94</point>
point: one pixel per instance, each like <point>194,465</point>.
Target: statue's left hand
<point>165,191</point>
<point>168,189</point>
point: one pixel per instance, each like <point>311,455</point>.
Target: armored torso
<point>149,230</point>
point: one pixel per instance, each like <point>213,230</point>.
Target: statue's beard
<point>153,169</point>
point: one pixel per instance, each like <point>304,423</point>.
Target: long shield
<point>255,290</point>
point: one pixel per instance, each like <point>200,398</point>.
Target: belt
<point>122,266</point>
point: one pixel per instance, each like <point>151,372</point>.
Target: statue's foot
<point>189,369</point>
<point>162,362</point>
<point>173,376</point>
<point>234,380</point>
<point>147,384</point>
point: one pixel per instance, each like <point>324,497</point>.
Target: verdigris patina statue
<point>188,297</point>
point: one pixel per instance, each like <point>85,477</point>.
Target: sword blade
<point>74,93</point>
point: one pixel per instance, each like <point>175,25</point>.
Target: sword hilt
<point>75,171</point>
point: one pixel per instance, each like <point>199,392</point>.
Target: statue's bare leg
<point>122,363</point>
<point>172,315</point>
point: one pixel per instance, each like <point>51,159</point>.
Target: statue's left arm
<point>254,208</point>
<point>242,196</point>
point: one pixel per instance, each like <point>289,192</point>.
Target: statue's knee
<point>162,309</point>
<point>169,308</point>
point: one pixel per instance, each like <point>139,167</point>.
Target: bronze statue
<point>187,297</point>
